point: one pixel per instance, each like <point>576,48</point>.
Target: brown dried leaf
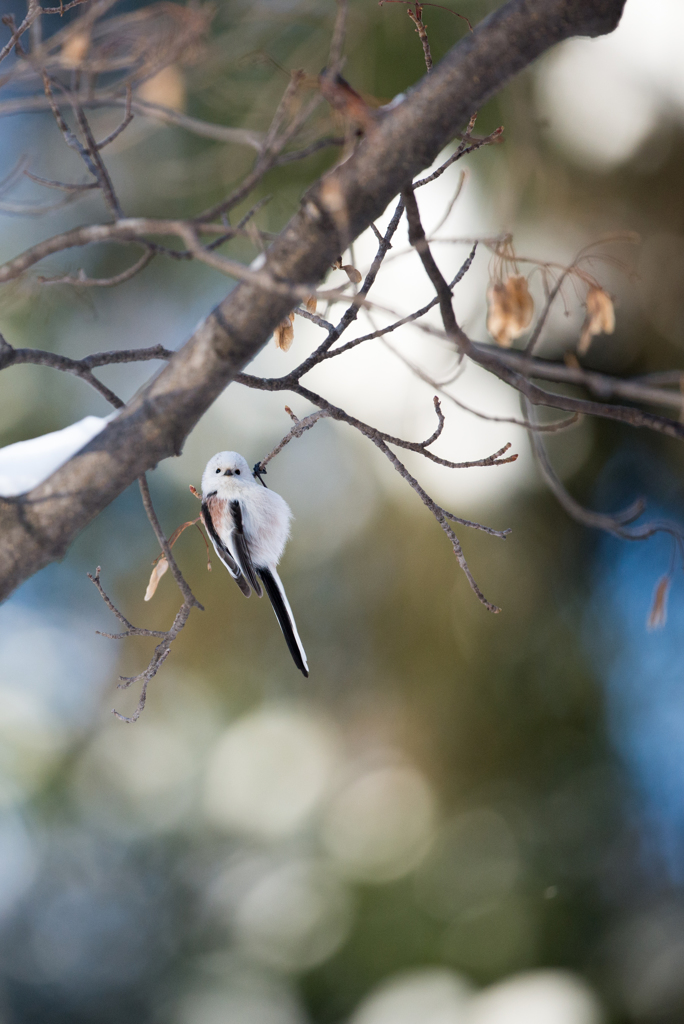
<point>600,317</point>
<point>510,309</point>
<point>311,304</point>
<point>284,333</point>
<point>352,273</point>
<point>658,614</point>
<point>166,88</point>
<point>157,573</point>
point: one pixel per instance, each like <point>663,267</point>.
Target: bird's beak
<point>228,472</point>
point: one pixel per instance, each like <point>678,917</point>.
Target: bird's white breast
<point>266,518</point>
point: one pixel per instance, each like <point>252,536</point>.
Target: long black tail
<point>276,595</point>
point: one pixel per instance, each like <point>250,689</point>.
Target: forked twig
<point>300,427</point>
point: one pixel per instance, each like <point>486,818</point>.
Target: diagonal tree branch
<point>38,527</point>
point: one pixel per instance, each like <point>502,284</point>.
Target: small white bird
<point>249,524</point>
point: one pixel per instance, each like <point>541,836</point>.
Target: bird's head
<point>224,467</point>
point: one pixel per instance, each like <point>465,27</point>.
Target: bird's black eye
<point>218,470</point>
<point>237,472</point>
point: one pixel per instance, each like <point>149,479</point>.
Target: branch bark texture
<point>38,527</point>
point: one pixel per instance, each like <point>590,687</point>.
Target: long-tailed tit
<point>249,525</point>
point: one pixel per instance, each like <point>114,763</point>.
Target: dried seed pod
<point>284,333</point>
<point>352,273</point>
<point>510,309</point>
<point>157,573</point>
<point>311,304</point>
<point>600,317</point>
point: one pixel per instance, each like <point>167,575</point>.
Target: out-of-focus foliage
<point>457,817</point>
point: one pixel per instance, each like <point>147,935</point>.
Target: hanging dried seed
<point>284,333</point>
<point>352,273</point>
<point>600,317</point>
<point>157,573</point>
<point>510,309</point>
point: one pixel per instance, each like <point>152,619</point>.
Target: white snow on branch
<point>26,464</point>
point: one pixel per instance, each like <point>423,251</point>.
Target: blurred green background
<point>458,818</point>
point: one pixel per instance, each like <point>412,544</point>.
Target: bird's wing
<point>281,607</point>
<point>243,555</point>
<point>209,506</point>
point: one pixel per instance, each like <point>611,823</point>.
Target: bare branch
<point>441,517</point>
<point>353,310</point>
<point>468,145</point>
<point>127,118</point>
<point>63,186</point>
<point>161,651</point>
<point>69,137</point>
<point>269,152</point>
<point>417,19</point>
<point>33,13</point>
<point>618,523</point>
<point>313,147</point>
<point>314,318</point>
<point>549,428</point>
<point>100,171</point>
<point>299,428</point>
<point>10,356</point>
<point>635,389</point>
<point>38,526</point>
<point>130,629</point>
<point>164,544</point>
<point>142,108</point>
<point>131,355</point>
<point>82,281</point>
<point>407,319</point>
<point>133,229</point>
<point>337,42</point>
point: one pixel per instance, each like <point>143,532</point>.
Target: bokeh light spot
<point>380,826</point>
<point>269,771</point>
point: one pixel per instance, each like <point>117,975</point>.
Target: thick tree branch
<point>38,527</point>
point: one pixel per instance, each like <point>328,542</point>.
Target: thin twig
<point>467,146</point>
<point>33,13</point>
<point>63,186</point>
<point>164,544</point>
<point>407,319</point>
<point>80,279</point>
<point>417,19</point>
<point>618,523</point>
<point>299,428</point>
<point>352,311</point>
<point>127,118</point>
<point>314,318</point>
<point>93,149</point>
<point>337,41</point>
<point>441,517</point>
<point>107,99</point>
